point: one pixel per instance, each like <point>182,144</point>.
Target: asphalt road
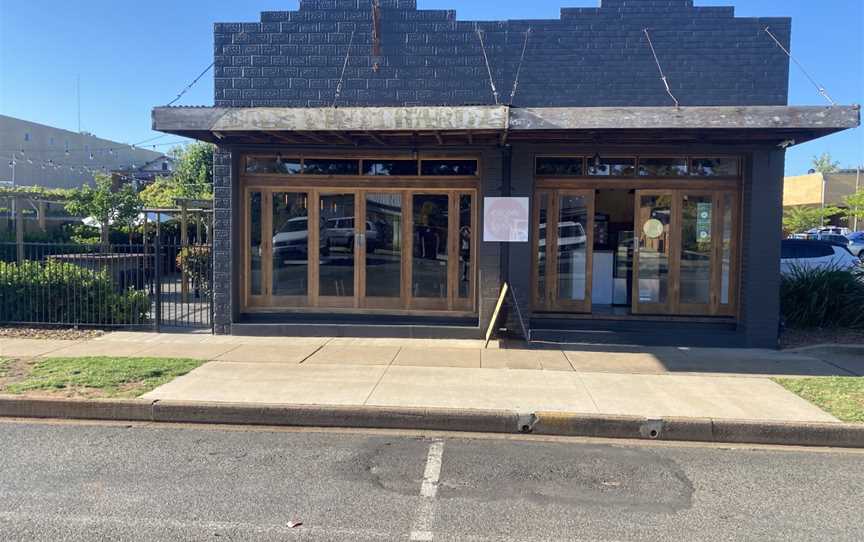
<point>69,481</point>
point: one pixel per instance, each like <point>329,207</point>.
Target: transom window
<point>641,166</point>
<point>356,167</point>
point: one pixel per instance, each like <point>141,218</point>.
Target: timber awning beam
<point>787,124</point>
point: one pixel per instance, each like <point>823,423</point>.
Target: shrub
<point>196,261</point>
<point>823,298</point>
<point>63,293</point>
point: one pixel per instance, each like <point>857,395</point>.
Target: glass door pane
<point>256,245</point>
<point>337,236</point>
<point>696,262</point>
<point>543,214</point>
<point>654,214</point>
<point>383,241</point>
<point>572,248</point>
<point>726,249</point>
<point>290,244</point>
<point>430,254</point>
<point>466,246</point>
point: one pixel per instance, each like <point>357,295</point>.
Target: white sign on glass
<point>506,220</point>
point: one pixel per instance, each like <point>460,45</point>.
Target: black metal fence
<point>149,286</point>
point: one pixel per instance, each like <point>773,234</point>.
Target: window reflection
<point>572,249</point>
<point>655,213</point>
<point>273,165</point>
<point>543,208</point>
<point>465,243</point>
<point>317,166</point>
<point>662,167</point>
<point>290,243</point>
<point>384,245</point>
<point>715,167</point>
<point>255,247</point>
<point>449,168</point>
<point>696,239</point>
<point>385,168</point>
<point>430,246</point>
<point>336,268</point>
<point>612,167</point>
<point>563,166</point>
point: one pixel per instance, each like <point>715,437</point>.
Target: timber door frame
<point>549,301</point>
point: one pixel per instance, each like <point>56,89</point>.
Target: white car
<point>293,238</point>
<point>571,235</point>
<point>836,230</point>
<point>807,254</point>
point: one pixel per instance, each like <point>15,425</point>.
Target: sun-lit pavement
<point>87,482</point>
<point>461,374</point>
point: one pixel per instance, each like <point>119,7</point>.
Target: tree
<point>854,206</point>
<point>106,205</point>
<point>192,177</point>
<point>801,219</point>
<point>824,164</point>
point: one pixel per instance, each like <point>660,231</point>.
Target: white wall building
<point>34,154</point>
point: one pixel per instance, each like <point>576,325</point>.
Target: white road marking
<point>422,531</point>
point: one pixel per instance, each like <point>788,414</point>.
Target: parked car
<point>837,230</point>
<point>339,232</point>
<point>856,243</point>
<point>571,235</point>
<point>809,254</point>
<point>293,239</point>
<point>834,238</point>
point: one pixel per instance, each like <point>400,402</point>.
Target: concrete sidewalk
<point>655,382</point>
<point>740,398</point>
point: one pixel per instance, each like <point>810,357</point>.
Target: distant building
<point>145,174</point>
<point>817,189</point>
<point>34,154</point>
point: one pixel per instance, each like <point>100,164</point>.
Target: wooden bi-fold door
<point>563,256</point>
<point>686,252</point>
<point>359,249</point>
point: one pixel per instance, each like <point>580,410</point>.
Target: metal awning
<point>490,124</point>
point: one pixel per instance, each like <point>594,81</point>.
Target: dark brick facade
<point>223,271</point>
<point>588,57</point>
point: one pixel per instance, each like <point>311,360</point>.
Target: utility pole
<point>857,190</point>
<point>824,191</point>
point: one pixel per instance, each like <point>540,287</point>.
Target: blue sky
<point>133,56</point>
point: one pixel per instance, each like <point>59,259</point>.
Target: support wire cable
<point>344,69</point>
<point>486,59</point>
<point>662,75</point>
<point>190,85</point>
<point>519,67</point>
<point>819,87</point>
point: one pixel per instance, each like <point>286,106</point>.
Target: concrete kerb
<point>836,435</point>
<point>828,348</point>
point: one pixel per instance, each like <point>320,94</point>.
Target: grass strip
<point>840,396</point>
<point>112,377</point>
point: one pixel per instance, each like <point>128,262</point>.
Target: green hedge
<point>63,293</point>
<point>823,298</point>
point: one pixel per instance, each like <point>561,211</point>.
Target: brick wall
<point>223,194</point>
<point>588,57</point>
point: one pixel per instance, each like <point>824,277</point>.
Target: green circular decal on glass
<point>653,228</point>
